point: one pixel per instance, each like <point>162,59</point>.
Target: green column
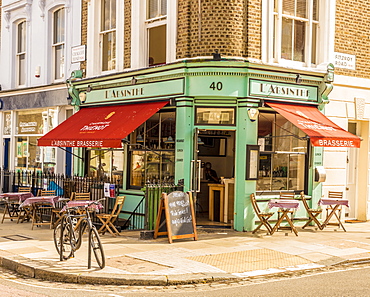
<point>246,133</point>
<point>184,140</point>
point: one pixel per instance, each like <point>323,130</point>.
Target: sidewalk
<point>219,254</point>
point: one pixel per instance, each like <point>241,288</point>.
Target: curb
<point>44,271</point>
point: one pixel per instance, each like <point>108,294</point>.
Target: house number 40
<point>216,86</point>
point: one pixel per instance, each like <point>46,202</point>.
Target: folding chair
<point>80,196</point>
<point>40,209</point>
<point>336,195</point>
<point>312,213</point>
<point>286,195</point>
<point>108,219</point>
<point>262,216</point>
<point>12,207</point>
<point>22,189</point>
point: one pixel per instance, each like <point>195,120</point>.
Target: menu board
<point>176,216</point>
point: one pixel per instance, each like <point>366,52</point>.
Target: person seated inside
<point>211,174</point>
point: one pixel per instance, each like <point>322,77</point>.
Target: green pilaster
<point>184,140</point>
<point>246,134</point>
<point>317,160</point>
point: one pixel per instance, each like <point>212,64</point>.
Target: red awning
<point>321,130</point>
<point>103,126</point>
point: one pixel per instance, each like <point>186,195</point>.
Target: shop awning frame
<point>321,130</point>
<point>103,126</point>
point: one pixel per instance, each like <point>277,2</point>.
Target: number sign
<point>176,216</point>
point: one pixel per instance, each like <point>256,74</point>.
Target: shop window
<point>30,125</point>
<point>106,164</point>
<point>292,33</point>
<point>108,35</point>
<point>283,154</point>
<point>7,123</point>
<point>156,20</point>
<point>21,54</point>
<point>58,45</point>
<point>215,116</point>
<point>152,151</point>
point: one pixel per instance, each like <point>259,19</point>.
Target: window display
<point>283,154</point>
<point>152,151</point>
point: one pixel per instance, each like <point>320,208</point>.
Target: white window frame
<point>325,35</point>
<point>55,45</point>
<point>94,38</point>
<point>18,54</point>
<point>139,33</point>
<point>102,34</point>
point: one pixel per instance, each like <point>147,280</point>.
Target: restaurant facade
<point>261,127</point>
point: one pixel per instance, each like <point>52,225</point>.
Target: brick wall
<point>84,30</point>
<point>127,37</point>
<point>352,35</point>
<point>223,26</point>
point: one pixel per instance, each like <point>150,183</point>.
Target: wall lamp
<point>298,79</point>
<point>88,89</point>
<point>133,80</point>
<point>216,56</point>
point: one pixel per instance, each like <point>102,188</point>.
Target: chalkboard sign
<point>176,216</point>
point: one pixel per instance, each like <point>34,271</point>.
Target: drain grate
<point>16,237</point>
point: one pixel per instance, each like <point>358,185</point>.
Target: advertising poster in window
<point>19,150</point>
<point>25,149</point>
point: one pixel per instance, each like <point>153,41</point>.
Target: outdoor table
<point>334,205</point>
<point>34,206</point>
<point>12,201</point>
<point>81,204</point>
<point>285,206</point>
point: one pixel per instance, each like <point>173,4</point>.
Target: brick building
<point>179,84</point>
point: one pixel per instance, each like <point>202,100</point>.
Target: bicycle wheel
<point>78,234</point>
<point>64,248</point>
<point>97,247</point>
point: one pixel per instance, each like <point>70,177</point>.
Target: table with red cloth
<point>334,205</point>
<point>12,201</point>
<point>285,206</point>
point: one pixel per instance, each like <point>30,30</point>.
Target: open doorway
<point>215,151</point>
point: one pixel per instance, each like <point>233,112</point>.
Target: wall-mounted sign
<point>268,89</point>
<point>140,91</point>
<point>78,53</point>
<point>345,61</point>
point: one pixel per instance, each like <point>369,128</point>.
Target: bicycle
<point>68,234</point>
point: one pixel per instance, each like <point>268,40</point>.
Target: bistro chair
<point>262,216</point>
<point>336,195</point>
<point>80,196</point>
<point>22,189</point>
<point>108,219</point>
<point>286,195</point>
<point>313,213</point>
<point>41,209</point>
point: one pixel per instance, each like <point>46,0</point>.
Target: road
<point>346,281</point>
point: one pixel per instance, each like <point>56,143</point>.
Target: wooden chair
<point>80,196</point>
<point>336,195</point>
<point>108,219</point>
<point>262,216</point>
<point>313,213</point>
<point>286,195</point>
<point>22,189</point>
<point>40,209</point>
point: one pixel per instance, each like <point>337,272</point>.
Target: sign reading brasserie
<point>284,91</point>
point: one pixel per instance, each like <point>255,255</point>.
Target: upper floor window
<point>21,54</point>
<point>293,32</point>
<point>108,35</point>
<point>156,23</point>
<point>58,43</point>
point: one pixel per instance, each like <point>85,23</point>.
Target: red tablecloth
<point>16,197</point>
<point>83,203</point>
<point>38,199</point>
<point>334,201</point>
<point>283,203</point>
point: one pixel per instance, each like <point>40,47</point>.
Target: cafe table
<point>334,205</point>
<point>81,204</point>
<point>285,206</point>
<point>35,206</point>
<point>12,201</point>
